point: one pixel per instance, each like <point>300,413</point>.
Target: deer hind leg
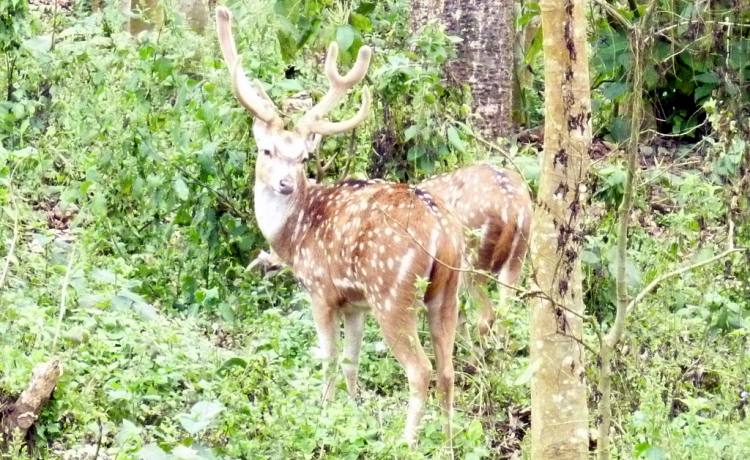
<point>478,291</point>
<point>325,325</point>
<point>400,332</point>
<point>442,314</point>
<point>511,269</point>
<point>354,326</point>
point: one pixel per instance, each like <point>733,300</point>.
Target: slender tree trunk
<point>196,14</point>
<point>151,15</point>
<point>559,414</point>
<point>609,345</point>
<point>485,56</point>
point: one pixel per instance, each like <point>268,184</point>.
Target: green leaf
<point>360,22</point>
<point>104,276</point>
<point>182,452</point>
<point>650,77</point>
<point>455,139</point>
<point>290,85</point>
<point>708,77</point>
<point>345,36</point>
<point>415,152</point>
<point>227,312</point>
<point>39,45</point>
<point>366,7</point>
<point>411,132</point>
<point>152,452</point>
<point>131,300</point>
<point>200,416</point>
<point>230,363</point>
<point>620,129</point>
<point>655,453</point>
<point>163,68</point>
<point>181,188</point>
<point>128,431</point>
<point>614,90</point>
<point>534,48</point>
<point>702,92</point>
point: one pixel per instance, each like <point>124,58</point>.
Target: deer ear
<point>312,142</point>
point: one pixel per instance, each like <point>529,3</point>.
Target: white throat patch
<point>271,211</point>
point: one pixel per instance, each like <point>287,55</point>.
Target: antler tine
<point>325,127</point>
<point>339,85</point>
<point>251,95</point>
<point>357,72</point>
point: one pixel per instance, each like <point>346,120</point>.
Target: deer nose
<point>286,185</point>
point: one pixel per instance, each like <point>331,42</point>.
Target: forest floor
<point>141,381</point>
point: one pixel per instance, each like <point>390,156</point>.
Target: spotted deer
<point>495,209</point>
<point>494,205</point>
<point>354,245</point>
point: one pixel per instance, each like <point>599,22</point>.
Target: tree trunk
<point>424,11</point>
<point>485,56</point>
<point>143,15</point>
<point>559,414</point>
<point>196,14</point>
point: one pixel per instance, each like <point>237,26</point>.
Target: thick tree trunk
<point>559,414</point>
<point>424,11</point>
<point>485,57</point>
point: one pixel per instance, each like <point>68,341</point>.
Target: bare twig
<point>11,249</point>
<point>615,14</point>
<point>494,147</point>
<point>63,298</point>
<point>657,281</point>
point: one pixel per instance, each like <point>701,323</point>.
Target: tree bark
<point>424,11</point>
<point>196,14</point>
<point>559,414</point>
<point>485,56</point>
<point>151,15</point>
<point>16,420</point>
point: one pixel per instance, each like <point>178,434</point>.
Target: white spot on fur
<point>404,269</point>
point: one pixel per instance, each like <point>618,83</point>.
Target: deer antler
<point>313,120</point>
<point>251,95</point>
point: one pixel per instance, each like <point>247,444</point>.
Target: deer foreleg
<point>354,327</point>
<point>325,324</point>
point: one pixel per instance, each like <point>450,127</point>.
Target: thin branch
<point>656,282</point>
<point>494,147</point>
<point>63,298</point>
<point>612,11</point>
<point>11,250</point>
<point>638,36</point>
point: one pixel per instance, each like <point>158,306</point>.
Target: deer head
<point>282,152</point>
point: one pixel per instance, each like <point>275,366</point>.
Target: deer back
<point>491,202</point>
<point>369,242</point>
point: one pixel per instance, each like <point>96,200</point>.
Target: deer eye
<point>266,152</point>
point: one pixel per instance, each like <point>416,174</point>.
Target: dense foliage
<point>125,170</point>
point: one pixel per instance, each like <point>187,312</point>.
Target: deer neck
<point>279,215</point>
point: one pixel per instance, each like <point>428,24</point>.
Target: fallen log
<point>17,418</point>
